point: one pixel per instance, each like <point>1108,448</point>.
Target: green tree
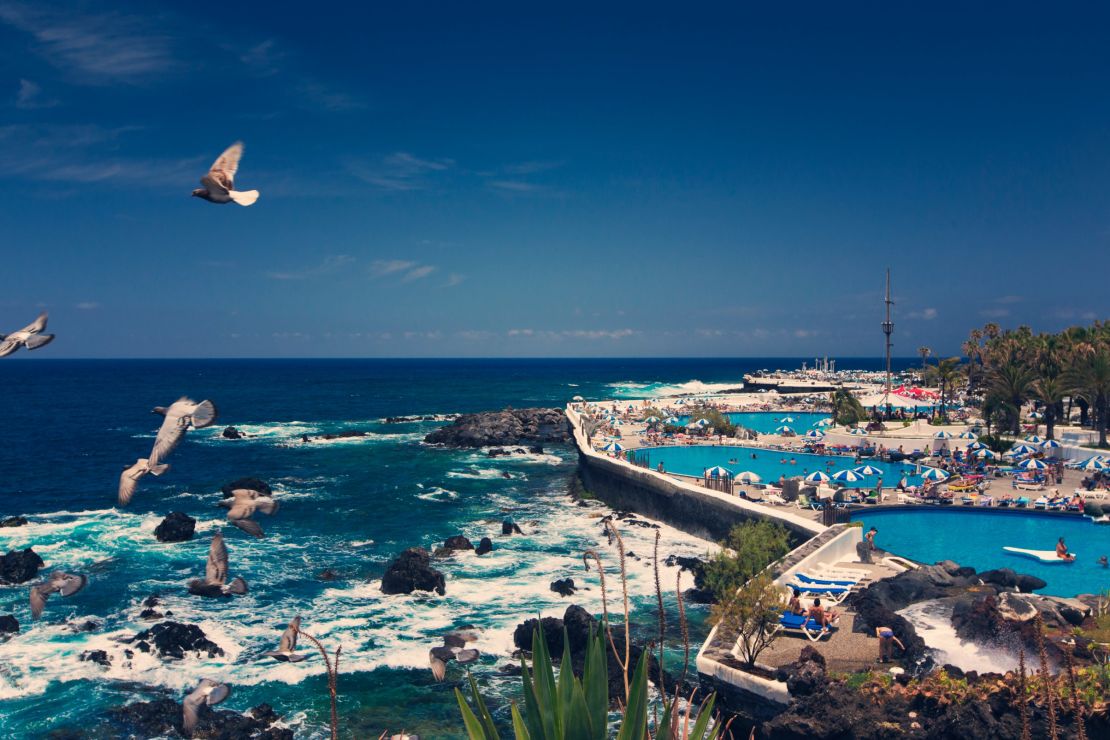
<point>1089,378</point>
<point>718,422</point>
<point>846,408</point>
<point>1013,381</point>
<point>924,352</point>
<point>1050,390</point>
<point>751,614</point>
<point>947,374</point>
<point>750,547</point>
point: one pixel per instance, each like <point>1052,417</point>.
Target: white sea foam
<point>437,494</point>
<point>631,389</point>
<point>483,474</point>
<point>933,622</point>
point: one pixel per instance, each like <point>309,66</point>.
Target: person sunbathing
<point>1062,550</point>
<point>824,618</point>
<point>795,606</point>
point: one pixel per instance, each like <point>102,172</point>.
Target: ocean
<point>68,427</point>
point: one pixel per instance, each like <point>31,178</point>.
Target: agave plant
<point>569,708</point>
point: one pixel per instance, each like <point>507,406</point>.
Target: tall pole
<point>888,329</point>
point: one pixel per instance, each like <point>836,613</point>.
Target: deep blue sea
<point>68,427</point>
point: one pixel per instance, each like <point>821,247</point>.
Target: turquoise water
<point>976,538</point>
<point>768,464</point>
<point>766,422</point>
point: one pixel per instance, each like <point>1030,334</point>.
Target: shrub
<point>751,546</point>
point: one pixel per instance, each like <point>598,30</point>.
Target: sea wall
<point>681,504</point>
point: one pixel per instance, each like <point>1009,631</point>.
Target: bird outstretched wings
<point>207,692</point>
<point>215,571</point>
<point>182,415</point>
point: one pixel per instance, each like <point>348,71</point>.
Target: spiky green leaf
<point>705,713</point>
<point>543,682</point>
<point>595,684</point>
<point>483,711</point>
<point>634,726</point>
<point>519,728</point>
<point>473,727</point>
<point>578,716</point>
<point>531,702</point>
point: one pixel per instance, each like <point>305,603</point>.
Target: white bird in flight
<point>286,652</point>
<point>129,478</point>
<point>182,415</point>
<point>215,573</point>
<point>219,183</point>
<point>207,692</point>
<point>30,336</point>
<point>242,505</point>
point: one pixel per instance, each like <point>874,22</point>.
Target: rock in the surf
<point>173,640</point>
<point>251,484</point>
<point>9,625</point>
<point>508,427</point>
<point>508,526</point>
<point>176,527</point>
<point>232,433</point>
<point>413,571</point>
<point>13,521</point>
<point>458,542</point>
<point>484,545</point>
<point>563,586</point>
<point>162,718</point>
<point>99,657</point>
<point>19,566</point>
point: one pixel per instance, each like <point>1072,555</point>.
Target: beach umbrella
<point>814,434</point>
<point>1093,463</point>
<point>672,420</point>
<point>1033,439</point>
<point>985,454</point>
<point>578,398</point>
<point>784,430</point>
<point>968,435</point>
<point>717,472</point>
<point>818,477</point>
<point>824,423</point>
<point>847,476</point>
<point>857,432</point>
<point>934,474</point>
<point>976,445</point>
<point>1050,444</point>
<point>747,477</point>
<point>616,423</point>
<point>613,447</point>
<point>1032,464</point>
<point>868,470</point>
<point>1022,450</point>
<point>702,422</point>
<point>942,435</point>
<point>651,420</point>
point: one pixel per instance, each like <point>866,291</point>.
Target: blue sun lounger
<point>834,594</point>
<point>810,581</point>
<point>796,624</point>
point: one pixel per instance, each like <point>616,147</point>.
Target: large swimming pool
<point>768,464</point>
<point>766,422</point>
<point>976,538</point>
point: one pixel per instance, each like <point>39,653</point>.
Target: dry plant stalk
<point>624,591</point>
<point>684,627</point>
<point>1023,707</point>
<point>604,598</point>
<point>1076,704</point>
<point>1046,676</point>
<point>662,614</point>
<point>333,679</point>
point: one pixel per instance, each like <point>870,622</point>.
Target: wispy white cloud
<point>388,267</point>
<point>331,264</point>
<point>264,58</point>
<point>515,186</point>
<point>560,335</point>
<point>30,97</point>
<point>87,306</point>
<point>323,96</point>
<point>454,279</point>
<point>399,171</point>
<point>925,314</point>
<point>418,273</point>
<point>94,48</point>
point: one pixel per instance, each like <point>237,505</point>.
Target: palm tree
<point>946,374</point>
<point>1089,378</point>
<point>924,352</point>
<point>1012,380</point>
<point>846,408</point>
<point>1050,390</point>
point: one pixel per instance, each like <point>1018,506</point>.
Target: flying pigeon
<point>207,692</point>
<point>452,649</point>
<point>242,505</point>
<point>64,583</point>
<point>220,180</point>
<point>182,415</point>
<point>215,573</point>
<point>129,478</point>
<point>285,652</point>
<point>29,336</point>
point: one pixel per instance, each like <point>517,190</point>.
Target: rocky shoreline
<point>508,427</point>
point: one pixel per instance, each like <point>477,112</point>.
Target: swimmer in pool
<point>1104,562</point>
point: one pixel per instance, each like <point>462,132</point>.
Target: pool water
<point>769,464</point>
<point>976,538</point>
<point>766,422</point>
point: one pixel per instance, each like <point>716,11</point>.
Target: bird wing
<point>8,346</point>
<point>203,415</point>
<point>219,692</point>
<point>37,325</point>
<point>249,526</point>
<point>190,706</point>
<point>223,170</point>
<point>467,656</point>
<point>39,595</point>
<point>266,505</point>
<point>288,640</point>
<point>68,584</point>
<point>216,569</point>
<point>241,508</point>
<point>439,668</point>
<point>129,480</point>
<point>39,340</point>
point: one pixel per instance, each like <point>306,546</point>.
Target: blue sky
<point>565,179</point>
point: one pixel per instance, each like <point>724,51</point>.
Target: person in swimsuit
<point>1062,550</point>
<point>886,643</point>
<point>795,606</point>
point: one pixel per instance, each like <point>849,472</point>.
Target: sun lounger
<point>1041,503</point>
<point>1021,502</point>
<point>832,571</point>
<point>834,594</point>
<point>811,581</point>
<point>795,624</point>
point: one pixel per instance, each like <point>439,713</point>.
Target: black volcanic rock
<point>162,718</point>
<point>13,521</point>
<point>458,542</point>
<point>251,484</point>
<point>19,566</point>
<point>176,527</point>
<point>96,656</point>
<point>9,625</point>
<point>232,433</point>
<point>484,545</point>
<point>173,640</point>
<point>563,586</point>
<point>510,527</point>
<point>508,427</point>
<point>412,571</point>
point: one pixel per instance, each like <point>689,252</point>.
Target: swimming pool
<point>976,538</point>
<point>766,422</point>
<point>768,464</point>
